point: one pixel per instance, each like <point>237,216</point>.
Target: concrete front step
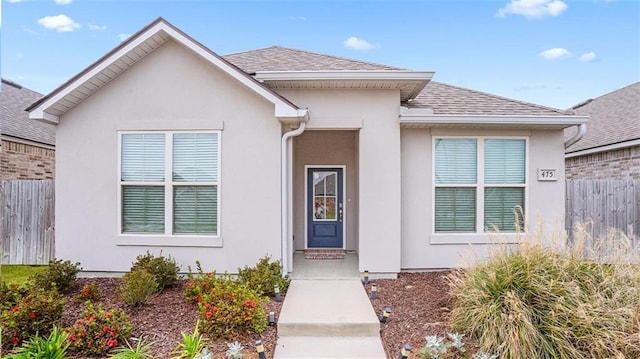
<point>329,347</point>
<point>327,308</point>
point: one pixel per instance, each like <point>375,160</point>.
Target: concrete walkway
<point>327,313</point>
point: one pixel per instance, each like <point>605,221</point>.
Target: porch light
<point>272,319</point>
<point>385,315</point>
<point>260,350</point>
<point>365,277</point>
<point>276,290</point>
<point>374,290</point>
<point>404,353</point>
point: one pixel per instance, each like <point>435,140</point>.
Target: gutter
<point>582,129</point>
<point>284,188</point>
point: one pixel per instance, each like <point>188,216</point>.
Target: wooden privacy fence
<point>27,221</point>
<point>602,205</point>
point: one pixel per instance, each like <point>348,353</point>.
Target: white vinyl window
<point>479,184</point>
<point>169,183</point>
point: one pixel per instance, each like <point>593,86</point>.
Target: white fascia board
<point>38,114</point>
<point>284,111</point>
<point>389,75</point>
<point>411,117</point>
<point>613,147</point>
<point>41,109</point>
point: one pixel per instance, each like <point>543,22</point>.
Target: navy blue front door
<point>325,209</point>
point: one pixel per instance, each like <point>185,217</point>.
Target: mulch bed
<point>418,303</point>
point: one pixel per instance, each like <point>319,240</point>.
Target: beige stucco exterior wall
<point>374,114</point>
<point>322,148</point>
<point>170,89</point>
<point>421,249</point>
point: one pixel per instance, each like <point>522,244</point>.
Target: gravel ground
<point>418,303</point>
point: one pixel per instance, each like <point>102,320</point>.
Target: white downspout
<point>582,129</point>
<point>284,189</point>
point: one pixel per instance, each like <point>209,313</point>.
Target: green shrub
<point>199,283</point>
<point>164,269</point>
<point>89,292</point>
<point>231,308</point>
<point>539,302</point>
<point>61,274</point>
<point>53,347</point>
<point>137,287</point>
<point>225,307</point>
<point>264,276</point>
<point>27,310</point>
<point>98,331</point>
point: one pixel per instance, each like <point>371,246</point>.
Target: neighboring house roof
<point>614,119</point>
<point>14,120</point>
<point>278,58</point>
<point>446,99</point>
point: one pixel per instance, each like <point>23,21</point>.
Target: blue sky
<point>551,52</point>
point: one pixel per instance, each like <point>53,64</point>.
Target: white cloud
<point>531,86</point>
<point>358,44</point>
<point>123,37</point>
<point>588,57</point>
<point>63,2</point>
<point>15,1</point>
<point>60,23</point>
<point>555,53</point>
<point>95,27</point>
<point>533,9</point>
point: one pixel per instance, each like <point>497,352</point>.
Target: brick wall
<point>23,161</point>
<point>621,164</point>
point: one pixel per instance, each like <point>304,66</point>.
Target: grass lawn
<point>13,273</point>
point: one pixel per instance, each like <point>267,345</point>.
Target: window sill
<point>476,238</point>
<point>168,241</point>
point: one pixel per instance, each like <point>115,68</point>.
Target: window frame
<point>480,235</point>
<point>168,238</point>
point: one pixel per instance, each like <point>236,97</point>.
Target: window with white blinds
<point>479,184</point>
<point>170,183</point>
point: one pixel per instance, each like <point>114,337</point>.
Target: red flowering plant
<point>27,310</point>
<point>199,283</point>
<point>99,331</point>
<point>89,292</point>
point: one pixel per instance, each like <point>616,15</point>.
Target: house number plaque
<point>547,174</point>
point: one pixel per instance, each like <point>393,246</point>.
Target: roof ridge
<point>617,90</point>
<point>318,53</point>
<point>557,110</point>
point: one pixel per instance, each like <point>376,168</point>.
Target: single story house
<point>610,149</point>
<point>27,150</point>
<point>165,145</point>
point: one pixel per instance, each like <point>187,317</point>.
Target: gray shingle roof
<point>14,120</point>
<point>452,100</point>
<point>614,118</point>
<point>278,58</point>
<point>442,98</point>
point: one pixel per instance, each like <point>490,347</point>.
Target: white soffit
<point>83,85</point>
<point>423,118</point>
<point>410,83</point>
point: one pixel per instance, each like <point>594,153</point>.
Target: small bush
<point>89,292</point>
<point>539,302</point>
<point>53,347</point>
<point>264,276</point>
<point>137,287</point>
<point>27,310</point>
<point>225,307</point>
<point>59,274</point>
<point>99,331</point>
<point>164,269</point>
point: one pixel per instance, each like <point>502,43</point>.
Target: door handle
<point>340,213</point>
